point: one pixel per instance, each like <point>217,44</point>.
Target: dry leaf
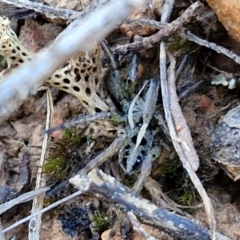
<point>228,12</point>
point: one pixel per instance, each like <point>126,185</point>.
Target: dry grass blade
<point>145,170</point>
<point>130,111</point>
<point>148,109</point>
<point>38,201</point>
<point>19,84</point>
<point>179,131</point>
<point>182,132</point>
<point>173,114</point>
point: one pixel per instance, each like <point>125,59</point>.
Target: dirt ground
<point>205,93</point>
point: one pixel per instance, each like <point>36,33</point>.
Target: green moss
<point>172,167</point>
<point>62,158</point>
<point>71,136</point>
<point>187,197</point>
<point>100,223</point>
<point>56,167</point>
<point>116,119</point>
<point>129,181</point>
<point>54,163</point>
<point>179,45</point>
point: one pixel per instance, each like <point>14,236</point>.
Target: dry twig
<point>11,11</point>
<point>22,198</point>
<point>97,182</point>
<point>82,119</point>
<point>115,146</point>
<point>149,42</point>
<point>145,23</point>
<point>190,36</point>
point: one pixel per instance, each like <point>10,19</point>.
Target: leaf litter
<point>126,128</point>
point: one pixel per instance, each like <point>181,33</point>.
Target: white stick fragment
<point>38,201</point>
<point>26,79</point>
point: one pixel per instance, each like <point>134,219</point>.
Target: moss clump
<point>187,197</point>
<point>54,164</point>
<point>171,168</point>
<point>179,46</point>
<point>71,136</point>
<point>100,223</point>
<point>60,160</point>
<point>129,181</point>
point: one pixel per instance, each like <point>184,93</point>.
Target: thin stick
<point>149,42</point>
<point>80,120</point>
<point>22,198</point>
<point>190,36</point>
<point>145,22</point>
<point>115,146</point>
<point>42,211</point>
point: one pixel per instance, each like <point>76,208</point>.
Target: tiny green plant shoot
<point>100,223</point>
